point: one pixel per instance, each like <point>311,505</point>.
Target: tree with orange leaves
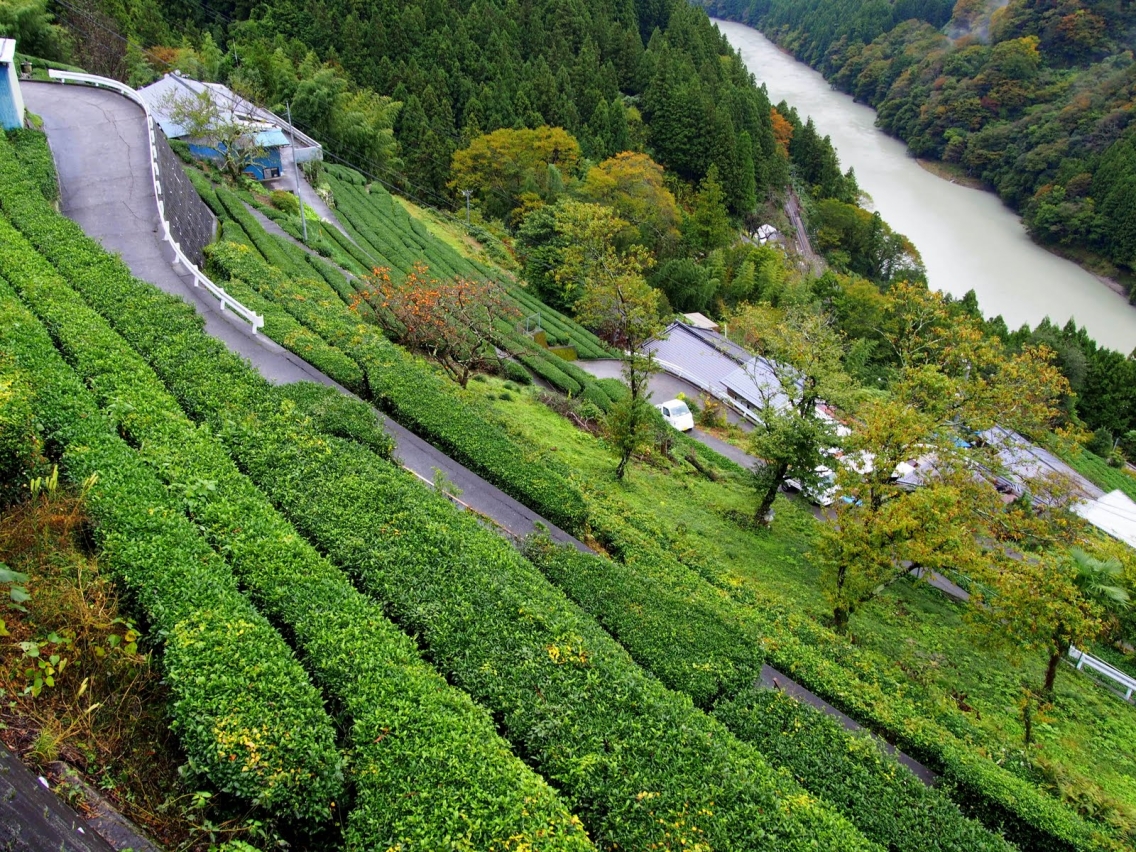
<point>782,131</point>
<point>451,322</point>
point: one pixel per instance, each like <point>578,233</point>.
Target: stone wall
<point>191,222</point>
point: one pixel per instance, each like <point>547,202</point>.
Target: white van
<point>677,414</point>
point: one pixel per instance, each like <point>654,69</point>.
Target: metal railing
<point>199,278</point>
<point>1087,661</point>
<point>716,392</point>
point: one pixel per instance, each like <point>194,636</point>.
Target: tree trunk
<point>623,459</point>
<point>840,617</point>
<point>1051,669</point>
<point>759,517</point>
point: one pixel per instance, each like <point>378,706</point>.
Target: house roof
<point>1024,460</point>
<point>756,382</point>
<point>701,321</point>
<point>7,51</point>
<point>718,363</point>
<point>1115,513</point>
<point>689,351</point>
<point>272,130</point>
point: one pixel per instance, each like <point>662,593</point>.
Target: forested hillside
<point>1033,97</point>
<point>618,76</point>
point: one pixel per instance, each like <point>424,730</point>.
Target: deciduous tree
<point>627,312</point>
<point>499,166</point>
<point>797,366</point>
<point>452,322</point>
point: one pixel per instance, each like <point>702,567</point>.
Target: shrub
<point>241,705</point>
<point>854,774</point>
<point>285,202</point>
<point>514,372</point>
<point>330,412</point>
<point>429,769</point>
<point>30,147</point>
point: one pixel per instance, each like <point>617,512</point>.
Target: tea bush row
<point>638,763</point>
<point>427,766</point>
<point>241,705</point>
<point>415,395</point>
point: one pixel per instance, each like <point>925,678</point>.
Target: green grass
<point>1086,745</point>
<point>1098,471</point>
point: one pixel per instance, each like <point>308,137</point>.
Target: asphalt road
<point>101,148</point>
<point>664,386</point>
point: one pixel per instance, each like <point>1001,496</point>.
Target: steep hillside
<point>1032,98</point>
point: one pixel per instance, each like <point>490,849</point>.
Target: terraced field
<point>548,700</point>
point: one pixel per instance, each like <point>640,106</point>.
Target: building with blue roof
<point>279,140</point>
<point>11,100</point>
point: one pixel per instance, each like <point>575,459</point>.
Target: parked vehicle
<point>824,492</point>
<point>677,414</point>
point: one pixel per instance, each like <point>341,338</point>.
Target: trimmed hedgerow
<point>696,640</point>
<point>853,773</point>
<point>514,372</point>
<point>637,602</point>
<point>330,412</point>
<point>31,149</point>
<point>416,396</point>
<point>269,248</point>
<point>638,762</point>
<point>242,707</point>
<point>428,768</point>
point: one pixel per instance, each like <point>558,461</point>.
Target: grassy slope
<point>1088,740</point>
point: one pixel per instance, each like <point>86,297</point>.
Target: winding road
<point>100,143</point>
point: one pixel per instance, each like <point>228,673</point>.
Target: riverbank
<point>1096,266</point>
<point>968,240</point>
<point>951,173</point>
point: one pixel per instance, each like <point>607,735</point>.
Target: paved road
<point>100,144</point>
<point>664,386</point>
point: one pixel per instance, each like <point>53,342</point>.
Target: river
<point>969,240</point>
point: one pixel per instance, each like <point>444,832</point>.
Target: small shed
<point>279,140</point>
<point>11,99</point>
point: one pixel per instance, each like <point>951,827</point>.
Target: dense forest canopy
<point>1033,97</point>
<point>617,76</point>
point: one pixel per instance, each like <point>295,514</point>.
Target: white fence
<point>1085,661</point>
<point>199,278</point>
<point>716,392</point>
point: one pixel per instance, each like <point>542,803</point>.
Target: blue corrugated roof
<point>273,138</point>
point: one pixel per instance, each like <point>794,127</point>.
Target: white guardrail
<point>199,278</point>
<point>720,395</point>
<point>1086,661</point>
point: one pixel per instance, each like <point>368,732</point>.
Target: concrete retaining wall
<point>192,223</point>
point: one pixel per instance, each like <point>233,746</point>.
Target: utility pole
<point>467,193</point>
<point>299,180</point>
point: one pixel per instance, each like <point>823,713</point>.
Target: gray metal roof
<point>272,130</point>
<point>687,350</point>
<point>719,365</point>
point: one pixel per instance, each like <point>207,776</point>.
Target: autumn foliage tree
<point>953,408</point>
<point>451,322</point>
<point>499,167</point>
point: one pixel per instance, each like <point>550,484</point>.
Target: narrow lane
<point>100,144</point>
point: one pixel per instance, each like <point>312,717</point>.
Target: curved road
<point>100,144</point>
<point>111,197</point>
